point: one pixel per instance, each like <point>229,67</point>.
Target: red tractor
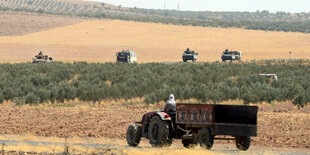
<point>196,124</point>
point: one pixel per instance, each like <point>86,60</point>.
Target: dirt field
<point>99,40</point>
<point>278,126</point>
<point>19,23</point>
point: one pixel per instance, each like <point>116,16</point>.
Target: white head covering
<point>171,99</point>
<point>170,104</point>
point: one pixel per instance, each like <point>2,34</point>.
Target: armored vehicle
<point>231,55</point>
<point>126,56</point>
<point>42,58</point>
<point>196,124</point>
<point>189,55</point>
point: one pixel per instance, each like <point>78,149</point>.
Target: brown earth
<point>276,127</point>
<point>20,23</point>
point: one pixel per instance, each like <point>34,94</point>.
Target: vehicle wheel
<point>194,60</point>
<point>184,60</point>
<point>134,133</point>
<point>159,132</point>
<point>206,140</point>
<point>189,143</point>
<point>243,143</point>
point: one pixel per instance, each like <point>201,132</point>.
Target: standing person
<point>170,104</point>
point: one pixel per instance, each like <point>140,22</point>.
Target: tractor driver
<point>170,104</point>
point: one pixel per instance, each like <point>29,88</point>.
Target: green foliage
<point>28,83</point>
<point>1,98</point>
<point>31,98</point>
<point>300,98</point>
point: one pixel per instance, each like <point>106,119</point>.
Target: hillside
<point>280,21</point>
<point>19,23</point>
<point>99,40</point>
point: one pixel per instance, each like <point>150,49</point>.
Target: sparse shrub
<point>1,98</point>
<point>20,100</point>
<point>32,99</point>
<point>300,99</point>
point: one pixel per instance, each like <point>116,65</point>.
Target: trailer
<point>206,121</point>
<point>197,124</point>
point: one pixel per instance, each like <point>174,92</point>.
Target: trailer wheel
<point>206,139</point>
<point>189,143</point>
<point>184,60</point>
<point>134,133</point>
<point>243,143</point>
<point>159,132</point>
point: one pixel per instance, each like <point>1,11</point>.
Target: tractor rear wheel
<point>243,143</point>
<point>134,133</point>
<point>206,139</point>
<point>158,132</point>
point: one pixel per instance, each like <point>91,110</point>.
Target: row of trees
<point>28,83</point>
<point>228,16</point>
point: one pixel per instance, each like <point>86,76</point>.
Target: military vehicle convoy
<point>126,56</point>
<point>231,55</point>
<point>131,57</point>
<point>189,55</point>
<point>42,58</point>
<point>196,124</point>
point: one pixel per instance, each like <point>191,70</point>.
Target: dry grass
<point>99,40</point>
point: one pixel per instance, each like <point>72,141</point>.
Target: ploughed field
<point>74,39</point>
<point>281,125</point>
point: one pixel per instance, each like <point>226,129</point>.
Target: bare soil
<point>276,128</point>
<point>20,23</point>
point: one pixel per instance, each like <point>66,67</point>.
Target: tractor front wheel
<point>158,132</point>
<point>134,133</point>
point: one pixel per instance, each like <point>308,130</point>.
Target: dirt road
<point>97,145</point>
